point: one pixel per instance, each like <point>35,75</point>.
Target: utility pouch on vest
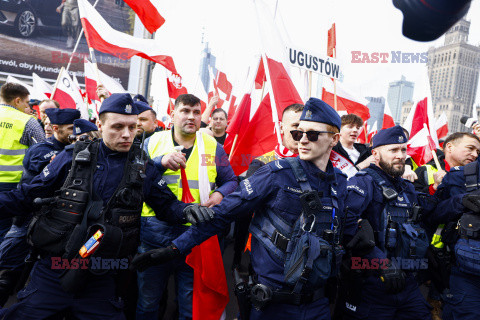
<point>74,280</point>
<point>467,254</point>
<point>50,231</point>
<point>467,248</point>
<point>309,259</point>
<point>391,236</point>
<point>413,242</point>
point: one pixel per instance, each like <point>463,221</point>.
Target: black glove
<point>393,278</point>
<point>471,201</point>
<point>364,240</point>
<point>153,257</point>
<point>195,213</point>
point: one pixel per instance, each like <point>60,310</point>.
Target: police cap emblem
<point>308,114</point>
<point>128,108</point>
<point>400,139</point>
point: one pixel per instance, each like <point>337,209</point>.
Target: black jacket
<point>365,152</point>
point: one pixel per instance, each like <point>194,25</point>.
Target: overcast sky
<point>366,26</point>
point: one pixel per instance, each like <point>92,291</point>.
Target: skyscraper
<point>398,93</point>
<point>453,72</point>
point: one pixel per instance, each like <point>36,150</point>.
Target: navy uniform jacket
<point>272,187</point>
<point>365,201</point>
<point>450,193</point>
<point>106,179</point>
<point>38,156</point>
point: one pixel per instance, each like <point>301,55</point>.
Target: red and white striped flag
<point>41,86</point>
<point>91,84</point>
<point>387,118</point>
<point>67,93</point>
<point>441,126</point>
<point>102,37</point>
<point>148,12</point>
<point>347,102</point>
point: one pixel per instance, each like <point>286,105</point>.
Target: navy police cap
<point>141,106</point>
<point>318,111</point>
<point>62,116</point>
<point>121,103</point>
<point>81,126</point>
<point>393,135</point>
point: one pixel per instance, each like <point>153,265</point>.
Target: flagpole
<point>269,83</point>
<point>56,82</point>
<point>434,152</point>
<point>78,42</point>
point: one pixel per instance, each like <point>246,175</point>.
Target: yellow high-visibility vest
<point>162,143</point>
<point>437,236</point>
<point>12,152</point>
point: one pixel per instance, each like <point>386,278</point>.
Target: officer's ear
<point>376,154</point>
<point>55,127</point>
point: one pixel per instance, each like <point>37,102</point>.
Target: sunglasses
<point>311,135</point>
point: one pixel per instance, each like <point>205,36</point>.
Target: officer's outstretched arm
<point>250,195</point>
<point>20,201</point>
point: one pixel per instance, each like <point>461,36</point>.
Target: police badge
<point>128,108</point>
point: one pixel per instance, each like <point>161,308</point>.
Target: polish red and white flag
<point>102,37</point>
<point>148,11</point>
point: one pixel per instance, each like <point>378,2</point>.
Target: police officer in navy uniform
<point>14,247</point>
<point>274,192</point>
<point>113,204</point>
<point>459,212</point>
<point>382,283</point>
<point>84,130</point>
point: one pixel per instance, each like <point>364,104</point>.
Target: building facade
<point>453,72</point>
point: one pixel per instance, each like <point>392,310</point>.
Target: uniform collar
<point>398,182</point>
<point>107,151</point>
<point>56,143</point>
<point>327,175</point>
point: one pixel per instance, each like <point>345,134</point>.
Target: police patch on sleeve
<point>356,188</point>
<point>248,190</point>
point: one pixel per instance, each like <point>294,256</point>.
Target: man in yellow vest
<point>18,131</point>
<point>202,158</point>
<point>460,148</point>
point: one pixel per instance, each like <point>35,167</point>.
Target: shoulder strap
<point>299,173</point>
<point>470,171</point>
<point>388,193</point>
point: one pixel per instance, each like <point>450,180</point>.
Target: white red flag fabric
<point>34,94</point>
<point>91,84</point>
<point>346,101</point>
<point>342,163</point>
<point>67,93</point>
<point>422,114</point>
<point>420,147</point>
<point>148,12</point>
<point>332,41</point>
<point>373,131</point>
<point>362,137</point>
<point>441,126</point>
<point>102,37</point>
<point>41,85</point>
<point>387,117</point>
<point>175,86</point>
<point>254,140</point>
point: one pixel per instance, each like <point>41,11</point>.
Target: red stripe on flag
<point>148,14</point>
<point>64,99</point>
<point>97,42</point>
